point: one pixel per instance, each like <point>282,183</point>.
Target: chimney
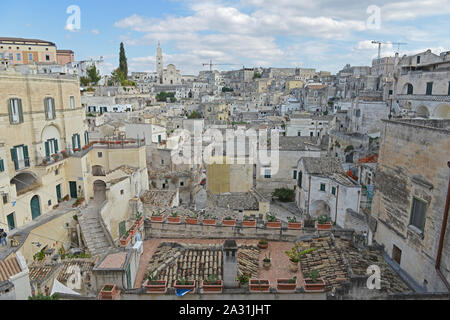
<point>230,263</point>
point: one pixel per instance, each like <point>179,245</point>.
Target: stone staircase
<point>91,227</point>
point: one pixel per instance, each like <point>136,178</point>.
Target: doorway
<point>35,207</point>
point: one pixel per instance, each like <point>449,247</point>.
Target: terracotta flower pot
<point>295,225</point>
<point>157,219</point>
<point>324,226</point>
<point>191,220</point>
<point>125,240</point>
<point>158,286</point>
<point>274,225</point>
<point>108,292</point>
<point>249,224</point>
<point>229,223</point>
<point>293,266</point>
<point>171,219</point>
<point>139,222</point>
<point>285,285</point>
<point>263,245</point>
<point>257,285</point>
<point>212,287</point>
<point>209,222</point>
<point>310,286</point>
<point>133,230</point>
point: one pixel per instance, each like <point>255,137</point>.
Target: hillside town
<point>254,183</point>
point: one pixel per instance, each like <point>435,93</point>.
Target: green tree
<point>117,77</point>
<point>194,115</point>
<point>225,89</point>
<point>84,81</point>
<point>162,96</point>
<point>93,75</point>
<point>123,65</point>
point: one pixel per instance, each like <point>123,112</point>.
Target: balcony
<point>53,159</point>
<point>424,97</point>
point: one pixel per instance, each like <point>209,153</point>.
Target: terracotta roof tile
<point>9,268</point>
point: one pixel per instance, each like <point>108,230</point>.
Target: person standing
<point>3,236</point>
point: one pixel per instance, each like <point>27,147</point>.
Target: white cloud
<point>95,31</point>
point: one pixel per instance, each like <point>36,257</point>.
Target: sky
<point>321,34</point>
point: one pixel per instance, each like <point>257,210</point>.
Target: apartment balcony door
<point>58,193</point>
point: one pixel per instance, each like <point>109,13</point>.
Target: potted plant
<point>192,219</point>
<point>76,149</point>
<point>64,154</point>
<point>153,285</point>
<point>208,220</point>
<point>287,285</point>
<point>212,284</point>
<point>248,222</point>
<point>258,285</point>
<point>295,255</point>
<point>324,222</point>
<point>139,219</point>
<point>293,224</point>
<point>157,217</point>
<point>78,202</point>
<point>273,222</point>
<point>55,157</point>
<point>229,222</point>
<point>125,238</point>
<point>312,282</point>
<point>108,292</point>
<point>66,197</point>
<point>263,244</point>
<point>133,229</point>
<point>266,262</point>
<point>184,283</point>
<point>243,279</point>
<point>174,218</point>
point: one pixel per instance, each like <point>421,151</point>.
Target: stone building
<point>323,188</point>
<point>27,51</point>
<point>422,86</point>
<point>411,191</point>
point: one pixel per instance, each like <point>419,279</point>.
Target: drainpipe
<point>337,198</point>
<point>441,240</point>
<point>309,192</point>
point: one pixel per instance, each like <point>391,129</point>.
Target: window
<point>49,202</point>
<point>5,198</point>
<point>11,57</point>
<point>429,88</point>
<point>86,138</point>
<point>51,147</point>
<point>396,254</point>
<point>19,57</point>
<point>76,143</point>
<point>267,174</point>
<point>121,192</point>
<point>410,89</point>
<point>162,161</point>
<point>181,184</point>
<point>49,105</point>
<point>56,172</point>
<point>390,92</point>
<point>295,174</point>
<point>333,191</point>
<point>322,187</point>
<point>100,154</point>
<point>358,113</point>
<point>418,214</point>
<point>72,102</point>
<point>30,57</point>
<point>15,111</point>
<point>448,88</point>
<point>299,133</point>
<point>418,59</point>
<point>2,165</point>
<point>19,155</point>
<point>47,57</point>
<point>299,180</point>
<point>311,134</point>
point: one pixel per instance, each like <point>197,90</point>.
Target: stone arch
<point>99,190</point>
<point>422,112</point>
<point>24,181</point>
<point>318,208</point>
<point>442,111</point>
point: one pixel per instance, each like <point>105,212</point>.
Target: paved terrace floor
<point>279,268</point>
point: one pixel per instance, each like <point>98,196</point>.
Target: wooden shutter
<point>19,104</point>
<point>14,158</point>
<point>26,156</point>
<point>56,145</point>
<point>47,148</point>
<point>46,108</point>
<point>2,165</point>
<point>73,142</point>
<point>10,111</point>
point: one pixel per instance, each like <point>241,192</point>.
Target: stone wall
<point>413,163</point>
